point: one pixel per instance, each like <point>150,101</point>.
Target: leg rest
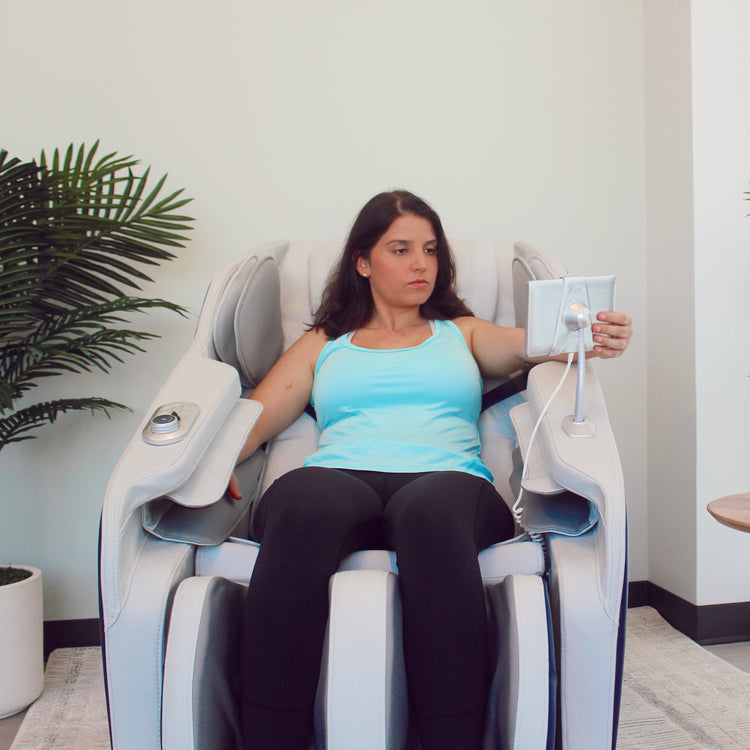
<point>523,687</point>
<point>200,693</point>
<point>362,699</point>
<point>586,639</point>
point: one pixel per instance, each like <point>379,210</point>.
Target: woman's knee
<point>449,505</point>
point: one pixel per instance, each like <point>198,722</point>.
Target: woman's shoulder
<point>308,346</point>
<point>465,323</point>
<point>314,339</point>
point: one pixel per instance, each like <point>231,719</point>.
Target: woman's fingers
<point>612,333</point>
<point>234,488</point>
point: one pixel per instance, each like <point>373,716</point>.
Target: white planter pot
<point>21,643</point>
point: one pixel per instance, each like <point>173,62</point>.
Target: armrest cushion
<point>537,477</point>
<point>206,485</point>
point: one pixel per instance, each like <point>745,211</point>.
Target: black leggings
<point>308,521</point>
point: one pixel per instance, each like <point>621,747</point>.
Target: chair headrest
<point>530,264</point>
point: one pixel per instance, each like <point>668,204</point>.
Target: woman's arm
<point>501,351</point>
<point>284,392</point>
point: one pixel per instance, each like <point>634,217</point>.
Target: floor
<point>735,653</point>
<point>8,729</point>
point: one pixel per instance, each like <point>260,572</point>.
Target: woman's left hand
<point>612,334</point>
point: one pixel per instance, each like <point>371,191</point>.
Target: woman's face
<point>403,264</point>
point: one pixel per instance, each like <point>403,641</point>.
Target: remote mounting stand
<point>578,318</point>
<point>559,320</point>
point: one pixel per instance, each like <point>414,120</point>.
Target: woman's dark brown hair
<point>347,301</point>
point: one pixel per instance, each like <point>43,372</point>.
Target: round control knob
<point>165,423</point>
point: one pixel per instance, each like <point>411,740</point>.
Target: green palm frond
<point>73,341</point>
<point>76,233</point>
<point>98,227</point>
<point>22,200</point>
<point>14,427</point>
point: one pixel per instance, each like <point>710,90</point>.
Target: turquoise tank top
<point>399,410</point>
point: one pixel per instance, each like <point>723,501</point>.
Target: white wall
<point>515,120</point>
<point>671,330</point>
<point>721,148</point>
<point>698,168</point>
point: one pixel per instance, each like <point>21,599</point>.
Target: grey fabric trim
<point>566,513</point>
<point>562,512</point>
<point>209,525</point>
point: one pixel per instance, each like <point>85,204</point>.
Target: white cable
<point>517,507</point>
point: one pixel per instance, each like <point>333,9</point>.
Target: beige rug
<point>676,696</point>
<point>71,713</point>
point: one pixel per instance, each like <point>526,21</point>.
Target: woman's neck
<point>393,332</point>
<point>395,318</point>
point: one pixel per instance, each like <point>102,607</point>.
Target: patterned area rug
<point>71,713</point>
<point>676,696</point>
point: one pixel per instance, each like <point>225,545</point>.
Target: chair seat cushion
<point>235,559</point>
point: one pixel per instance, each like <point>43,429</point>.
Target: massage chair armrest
<point>586,466</point>
<point>193,470</point>
<point>139,572</point>
<point>587,572</point>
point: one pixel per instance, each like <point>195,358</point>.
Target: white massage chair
<point>175,554</point>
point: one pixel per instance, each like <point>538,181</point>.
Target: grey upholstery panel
<point>215,689</point>
<point>200,699</point>
<point>223,331</point>
<point>212,524</point>
<point>362,701</point>
<point>257,323</point>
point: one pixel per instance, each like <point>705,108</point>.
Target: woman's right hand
<point>234,488</point>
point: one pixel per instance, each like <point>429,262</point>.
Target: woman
<point>393,365</point>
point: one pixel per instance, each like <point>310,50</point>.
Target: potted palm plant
<point>75,235</point>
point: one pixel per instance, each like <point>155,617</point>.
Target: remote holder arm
<point>559,318</point>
